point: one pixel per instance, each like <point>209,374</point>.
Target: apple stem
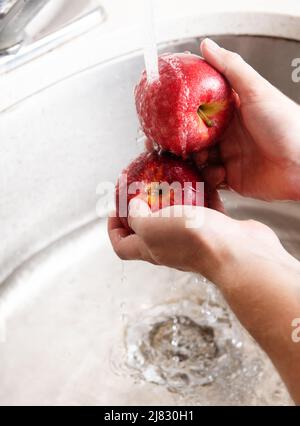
<point>204,117</point>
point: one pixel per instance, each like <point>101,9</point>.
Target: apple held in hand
<point>161,180</point>
<point>188,108</point>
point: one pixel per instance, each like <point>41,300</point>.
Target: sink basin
<point>73,316</point>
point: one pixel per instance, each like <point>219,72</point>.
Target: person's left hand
<point>218,247</point>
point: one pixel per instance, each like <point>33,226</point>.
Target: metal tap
<point>15,15</point>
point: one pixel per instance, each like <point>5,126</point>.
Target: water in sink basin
<point>77,348</point>
<point>214,362</point>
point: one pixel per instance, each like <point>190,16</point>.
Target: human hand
<point>218,247</point>
<point>257,277</point>
<point>259,155</point>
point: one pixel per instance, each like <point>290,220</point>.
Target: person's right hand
<point>259,155</point>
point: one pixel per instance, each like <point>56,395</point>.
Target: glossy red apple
<point>188,108</point>
<point>150,176</point>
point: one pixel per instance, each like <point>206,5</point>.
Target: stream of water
<point>150,47</point>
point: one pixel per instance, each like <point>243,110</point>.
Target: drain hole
<point>197,351</point>
<point>184,344</point>
<point>195,343</point>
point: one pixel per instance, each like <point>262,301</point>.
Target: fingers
<point>201,158</point>
<point>126,245</point>
<point>138,211</point>
<point>149,146</point>
<point>243,78</point>
<point>214,156</point>
<point>216,202</point>
<point>133,248</point>
<point>214,176</point>
<point>116,231</point>
<point>149,226</point>
<point>211,157</point>
<point>237,100</point>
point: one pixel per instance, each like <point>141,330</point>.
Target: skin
<point>257,157</point>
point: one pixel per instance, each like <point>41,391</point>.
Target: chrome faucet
<point>15,15</point>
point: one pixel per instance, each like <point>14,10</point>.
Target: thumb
<point>138,211</point>
<point>242,77</point>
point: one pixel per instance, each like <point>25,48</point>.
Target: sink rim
<point>82,55</point>
<point>127,55</point>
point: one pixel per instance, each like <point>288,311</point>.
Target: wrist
<point>251,272</point>
<point>241,253</point>
<point>216,257</point>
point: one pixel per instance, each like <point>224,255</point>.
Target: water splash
<point>214,361</point>
<point>204,353</point>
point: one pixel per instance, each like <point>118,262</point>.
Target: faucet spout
<point>15,15</point>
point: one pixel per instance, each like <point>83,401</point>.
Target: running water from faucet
<point>150,47</point>
<point>174,334</point>
<point>123,306</point>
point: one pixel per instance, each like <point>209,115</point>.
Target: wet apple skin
<point>168,108</point>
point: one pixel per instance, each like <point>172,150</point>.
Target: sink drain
<point>207,346</point>
<point>194,343</point>
<point>198,351</point>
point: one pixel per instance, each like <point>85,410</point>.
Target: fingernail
<point>211,45</point>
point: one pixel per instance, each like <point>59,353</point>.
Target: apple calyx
<point>204,117</point>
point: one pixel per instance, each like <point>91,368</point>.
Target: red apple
<point>188,108</point>
<point>149,177</point>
